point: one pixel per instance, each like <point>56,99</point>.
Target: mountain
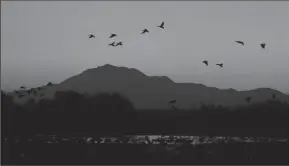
<point>152,92</point>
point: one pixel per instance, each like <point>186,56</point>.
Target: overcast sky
<point>48,41</point>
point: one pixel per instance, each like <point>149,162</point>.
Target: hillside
<point>151,92</point>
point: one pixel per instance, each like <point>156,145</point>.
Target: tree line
<point>114,114</point>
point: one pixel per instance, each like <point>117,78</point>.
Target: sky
<point>48,41</point>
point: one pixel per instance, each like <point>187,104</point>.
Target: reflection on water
<point>148,149</point>
<point>144,139</point>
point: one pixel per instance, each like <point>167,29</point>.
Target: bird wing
<point>240,42</point>
<point>163,23</point>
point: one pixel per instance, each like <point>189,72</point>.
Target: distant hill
<point>151,92</point>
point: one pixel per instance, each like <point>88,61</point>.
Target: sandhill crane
<point>240,42</point>
<point>111,44</point>
<point>119,44</point>
<point>145,31</point>
<point>162,25</point>
<point>112,35</point>
<point>172,102</point>
<point>220,64</point>
<point>263,45</point>
<point>206,62</point>
<point>91,36</point>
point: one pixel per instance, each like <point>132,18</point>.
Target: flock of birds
<point>120,43</point>
<point>114,44</point>
<point>263,45</point>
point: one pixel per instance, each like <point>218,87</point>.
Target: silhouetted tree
<point>273,96</point>
<point>7,103</point>
<point>248,99</point>
<point>49,84</point>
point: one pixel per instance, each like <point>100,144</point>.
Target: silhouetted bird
<point>240,42</point>
<point>173,101</point>
<point>91,36</point>
<point>111,44</point>
<point>112,35</point>
<point>162,25</point>
<point>22,87</point>
<point>220,64</point>
<point>145,31</point>
<point>206,62</point>
<point>119,44</point>
<point>263,45</point>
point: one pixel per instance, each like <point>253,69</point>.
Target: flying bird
<point>162,25</point>
<point>173,101</point>
<point>22,87</point>
<point>220,64</point>
<point>263,45</point>
<point>240,42</point>
<point>111,44</point>
<point>112,35</point>
<point>206,62</point>
<point>145,31</point>
<point>91,36</point>
<point>119,44</point>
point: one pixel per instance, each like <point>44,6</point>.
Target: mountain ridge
<point>153,92</point>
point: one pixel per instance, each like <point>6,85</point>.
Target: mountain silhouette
<point>153,92</point>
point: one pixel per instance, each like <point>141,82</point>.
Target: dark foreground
<point>214,153</point>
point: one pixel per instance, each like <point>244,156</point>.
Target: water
<point>141,139</point>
